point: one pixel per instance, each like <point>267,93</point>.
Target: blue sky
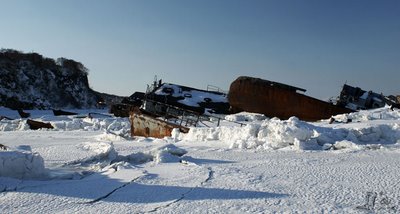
<point>314,44</point>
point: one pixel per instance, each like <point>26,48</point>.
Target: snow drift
<point>21,164</point>
<point>378,128</point>
<point>299,135</point>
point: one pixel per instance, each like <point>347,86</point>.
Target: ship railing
<point>215,88</point>
<point>183,117</point>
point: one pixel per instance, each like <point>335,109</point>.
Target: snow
<point>99,120</point>
<point>298,135</point>
<point>266,165</point>
<point>21,164</point>
<point>190,97</point>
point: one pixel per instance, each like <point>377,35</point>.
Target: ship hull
<point>262,96</point>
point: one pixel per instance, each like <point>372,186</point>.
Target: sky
<point>312,44</point>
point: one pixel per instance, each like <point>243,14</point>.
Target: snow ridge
<point>266,134</point>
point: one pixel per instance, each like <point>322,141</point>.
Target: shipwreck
<point>143,124</point>
<point>166,106</point>
<point>357,99</point>
<point>275,99</point>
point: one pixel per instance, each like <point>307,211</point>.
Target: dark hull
<point>35,125</point>
<point>61,112</point>
<point>23,114</point>
<point>273,100</point>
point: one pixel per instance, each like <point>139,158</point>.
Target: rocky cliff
<point>31,81</point>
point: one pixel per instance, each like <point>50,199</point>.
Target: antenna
<point>155,82</point>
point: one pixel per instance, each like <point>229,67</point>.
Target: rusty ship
<point>275,99</point>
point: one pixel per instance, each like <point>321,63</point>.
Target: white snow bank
<point>13,125</point>
<point>383,113</point>
<point>21,164</point>
<point>101,153</point>
<point>118,126</point>
<point>300,135</point>
<point>272,133</point>
<point>98,120</point>
<point>245,117</point>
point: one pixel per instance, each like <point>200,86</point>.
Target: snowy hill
<point>29,81</point>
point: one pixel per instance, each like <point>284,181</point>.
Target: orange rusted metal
<point>278,100</point>
<point>148,126</point>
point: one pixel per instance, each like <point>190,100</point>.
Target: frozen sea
<point>92,165</point>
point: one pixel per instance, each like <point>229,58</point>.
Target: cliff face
<point>31,81</point>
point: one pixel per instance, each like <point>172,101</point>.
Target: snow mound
<point>345,144</point>
<point>299,135</point>
<point>13,125</point>
<point>245,117</point>
<point>21,164</point>
<point>383,113</point>
<point>271,134</point>
<point>120,126</point>
<point>102,151</point>
<point>278,134</point>
<point>167,154</point>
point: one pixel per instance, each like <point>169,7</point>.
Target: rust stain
<point>147,126</point>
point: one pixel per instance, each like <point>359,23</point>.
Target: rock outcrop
<point>31,81</point>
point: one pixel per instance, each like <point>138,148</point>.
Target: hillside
<point>31,81</point>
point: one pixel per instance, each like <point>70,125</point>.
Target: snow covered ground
<point>91,165</point>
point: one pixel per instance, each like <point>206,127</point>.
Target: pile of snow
<point>167,153</point>
<point>245,117</point>
<point>116,125</point>
<point>344,144</point>
<point>100,150</point>
<point>369,115</point>
<point>13,125</point>
<point>270,134</point>
<point>299,135</point>
<point>21,164</point>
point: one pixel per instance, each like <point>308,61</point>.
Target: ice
<point>92,165</point>
<point>22,164</point>
<point>296,134</point>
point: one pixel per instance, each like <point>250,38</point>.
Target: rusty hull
<point>278,100</point>
<point>35,125</point>
<point>148,126</point>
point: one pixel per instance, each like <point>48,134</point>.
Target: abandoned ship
<point>151,112</point>
<point>166,106</point>
<point>357,99</point>
<point>278,100</point>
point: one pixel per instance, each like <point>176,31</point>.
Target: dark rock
<point>31,81</point>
